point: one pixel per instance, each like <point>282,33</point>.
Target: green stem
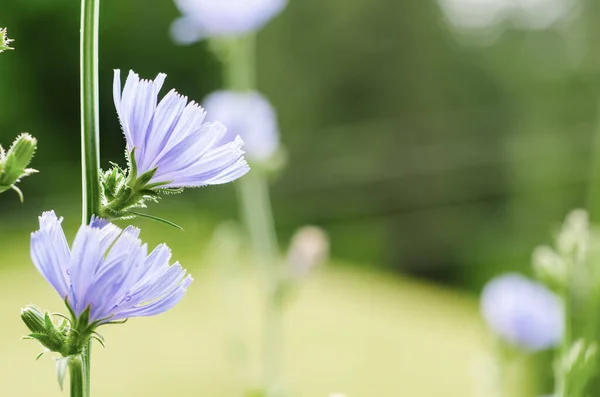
<point>76,374</point>
<point>90,145</point>
<point>238,55</point>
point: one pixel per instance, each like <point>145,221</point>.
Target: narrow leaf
<point>156,218</point>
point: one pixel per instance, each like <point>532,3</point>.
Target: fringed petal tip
<point>98,223</point>
<point>48,220</point>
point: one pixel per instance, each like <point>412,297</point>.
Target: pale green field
<point>347,330</point>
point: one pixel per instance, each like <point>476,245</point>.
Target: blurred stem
<point>239,60</point>
<point>256,210</point>
<point>594,181</point>
<point>561,385</point>
<point>238,56</point>
<point>90,143</point>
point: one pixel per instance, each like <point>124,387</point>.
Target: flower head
<point>171,138</point>
<point>209,18</point>
<point>249,115</point>
<point>522,312</point>
<point>108,274</point>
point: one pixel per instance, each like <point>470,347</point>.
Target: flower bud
<point>43,330</point>
<point>4,41</point>
<point>14,162</point>
<point>21,152</point>
<point>33,319</point>
<point>309,247</point>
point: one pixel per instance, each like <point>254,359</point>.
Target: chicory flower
<point>249,115</point>
<point>210,18</point>
<point>169,147</point>
<point>171,137</point>
<point>523,312</point>
<point>108,273</point>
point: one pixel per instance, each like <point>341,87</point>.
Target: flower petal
<point>159,306</point>
<point>50,252</point>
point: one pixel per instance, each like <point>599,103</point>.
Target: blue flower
<point>249,115</point>
<point>210,18</point>
<point>171,137</point>
<point>108,270</point>
<point>523,312</point>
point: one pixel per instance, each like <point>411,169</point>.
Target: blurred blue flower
<point>172,137</point>
<point>523,312</point>
<point>210,18</point>
<point>108,270</point>
<point>249,115</point>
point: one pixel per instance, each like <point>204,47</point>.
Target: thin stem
<point>238,55</point>
<point>90,145</point>
<point>257,214</point>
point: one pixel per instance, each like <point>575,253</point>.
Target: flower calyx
<point>124,191</point>
<point>66,337</point>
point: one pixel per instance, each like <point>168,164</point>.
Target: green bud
<point>43,329</point>
<point>125,192</point>
<point>34,319</point>
<point>4,41</point>
<point>112,181</point>
<point>21,152</point>
<point>14,162</point>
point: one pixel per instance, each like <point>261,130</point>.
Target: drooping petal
<point>50,252</point>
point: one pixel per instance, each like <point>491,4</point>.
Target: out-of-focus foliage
<point>416,143</point>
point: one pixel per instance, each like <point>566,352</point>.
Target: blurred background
<point>437,142</point>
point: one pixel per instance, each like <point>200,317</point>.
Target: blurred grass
<point>348,330</point>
